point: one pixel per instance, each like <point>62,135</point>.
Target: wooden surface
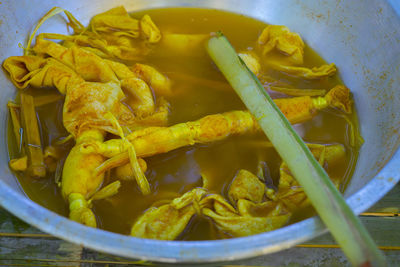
<point>23,245</point>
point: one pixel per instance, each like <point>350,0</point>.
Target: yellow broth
<point>176,172</point>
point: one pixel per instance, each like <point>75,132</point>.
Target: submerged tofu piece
<point>183,44</point>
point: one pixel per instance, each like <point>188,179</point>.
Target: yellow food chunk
<point>168,221</point>
<point>306,73</point>
<point>158,118</point>
<point>160,83</point>
<point>251,61</point>
<point>89,66</point>
<point>253,214</point>
<point>274,216</point>
<point>19,164</point>
<point>37,72</point>
<point>88,102</point>
<point>51,155</point>
<point>125,172</point>
<point>289,190</point>
<point>246,186</point>
<point>79,210</point>
<point>282,39</point>
<point>115,21</point>
<point>149,30</point>
<point>82,181</point>
<point>141,97</point>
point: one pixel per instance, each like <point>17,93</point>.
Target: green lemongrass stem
<point>326,199</point>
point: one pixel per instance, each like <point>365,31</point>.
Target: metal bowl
<point>361,38</point>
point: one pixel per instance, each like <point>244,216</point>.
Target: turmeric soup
<point>128,126</point>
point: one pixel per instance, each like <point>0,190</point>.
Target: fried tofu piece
<point>289,190</point>
<point>251,61</point>
<point>148,30</point>
<point>253,213</point>
<point>39,72</point>
<point>159,82</point>
<point>314,73</point>
<point>168,221</point>
<point>115,21</point>
<point>282,39</point>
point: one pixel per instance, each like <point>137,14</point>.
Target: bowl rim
<point>192,251</point>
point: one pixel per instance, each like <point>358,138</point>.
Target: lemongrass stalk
<point>326,199</point>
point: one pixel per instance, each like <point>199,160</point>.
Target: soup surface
<point>199,89</point>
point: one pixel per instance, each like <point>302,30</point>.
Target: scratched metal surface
<point>361,38</point>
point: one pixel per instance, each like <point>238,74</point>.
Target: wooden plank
<point>89,255</point>
<point>11,224</point>
<point>385,231</point>
<point>322,252</point>
<point>389,203</point>
<point>309,257</point>
<point>50,251</point>
<point>20,244</point>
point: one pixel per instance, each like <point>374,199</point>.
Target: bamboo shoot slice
<point>36,166</point>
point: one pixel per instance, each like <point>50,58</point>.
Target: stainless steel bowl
<point>361,37</point>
